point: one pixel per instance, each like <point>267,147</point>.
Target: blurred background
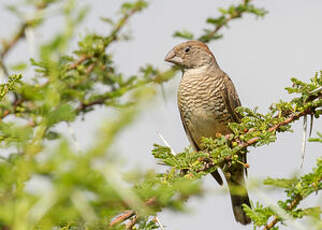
<point>260,55</point>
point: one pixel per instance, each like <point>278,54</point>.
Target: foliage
<point>296,190</point>
<point>226,15</point>
<point>9,86</point>
<point>87,188</point>
<point>255,129</point>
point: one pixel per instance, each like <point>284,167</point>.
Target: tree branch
<point>109,39</point>
<point>288,120</point>
<point>226,20</point>
<point>275,220</point>
<point>131,213</point>
<point>7,46</point>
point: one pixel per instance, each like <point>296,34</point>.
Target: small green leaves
<point>188,160</point>
<point>231,13</point>
<point>10,85</point>
<point>86,184</point>
<point>316,139</point>
<point>184,34</point>
<point>217,21</point>
<point>137,6</point>
<point>256,129</point>
<point>11,133</point>
<point>281,183</point>
<point>19,66</point>
<point>297,189</point>
<point>259,214</point>
<point>64,112</point>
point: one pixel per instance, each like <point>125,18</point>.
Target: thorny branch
<point>8,45</point>
<point>290,119</point>
<point>131,214</point>
<point>293,205</point>
<point>126,214</point>
<point>244,144</point>
<point>111,38</point>
<point>227,19</point>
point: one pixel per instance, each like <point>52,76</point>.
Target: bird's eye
<point>187,49</point>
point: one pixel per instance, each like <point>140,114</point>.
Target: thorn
<point>311,124</point>
<point>317,90</point>
<point>159,223</point>
<point>166,143</point>
<point>304,139</point>
<point>163,93</point>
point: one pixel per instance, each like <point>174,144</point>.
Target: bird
<point>207,100</point>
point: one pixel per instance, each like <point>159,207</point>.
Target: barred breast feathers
<point>203,92</point>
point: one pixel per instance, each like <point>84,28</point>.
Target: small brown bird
<point>207,100</point>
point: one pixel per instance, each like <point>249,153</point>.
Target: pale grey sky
<point>260,55</point>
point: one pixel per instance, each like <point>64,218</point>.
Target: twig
<point>4,68</point>
<point>290,119</point>
<point>130,213</point>
<point>84,106</point>
<point>159,223</point>
<point>90,68</point>
<point>275,220</point>
<point>231,17</point>
<point>317,90</point>
<point>15,104</point>
<point>9,45</point>
<point>127,214</point>
<point>112,37</point>
<point>78,62</point>
<point>254,140</point>
<point>131,223</point>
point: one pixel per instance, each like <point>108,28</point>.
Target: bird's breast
<point>202,107</point>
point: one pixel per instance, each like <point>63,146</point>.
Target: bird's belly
<point>206,124</point>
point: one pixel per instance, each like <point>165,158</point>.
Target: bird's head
<point>191,54</point>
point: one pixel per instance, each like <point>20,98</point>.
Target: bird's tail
<point>238,194</point>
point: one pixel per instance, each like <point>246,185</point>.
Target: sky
<point>260,56</point>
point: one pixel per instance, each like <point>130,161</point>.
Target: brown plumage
<point>207,100</point>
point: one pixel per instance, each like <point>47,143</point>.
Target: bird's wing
<point>194,145</point>
<point>190,138</point>
<point>231,98</point>
<point>232,101</point>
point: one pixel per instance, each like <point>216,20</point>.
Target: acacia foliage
<point>85,188</point>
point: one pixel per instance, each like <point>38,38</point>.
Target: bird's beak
<point>171,57</point>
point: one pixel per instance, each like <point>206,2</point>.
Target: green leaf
<point>281,183</point>
<point>63,112</point>
<point>19,66</point>
<point>184,34</point>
